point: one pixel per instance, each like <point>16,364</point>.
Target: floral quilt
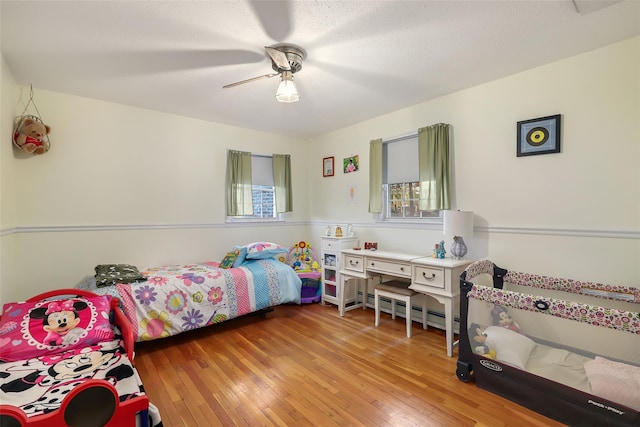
<point>180,298</point>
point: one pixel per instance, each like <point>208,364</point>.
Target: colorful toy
<point>478,343</point>
<point>501,317</point>
<point>30,135</point>
<point>439,251</point>
<point>302,258</point>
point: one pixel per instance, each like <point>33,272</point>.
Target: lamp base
<point>458,248</point>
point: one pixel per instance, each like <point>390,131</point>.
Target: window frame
<point>387,205</point>
<point>278,217</point>
<point>385,215</point>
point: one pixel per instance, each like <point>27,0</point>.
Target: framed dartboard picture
<point>539,136</point>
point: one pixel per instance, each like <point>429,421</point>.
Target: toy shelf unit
<point>330,264</point>
<point>302,258</point>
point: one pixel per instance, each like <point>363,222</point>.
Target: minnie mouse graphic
<point>43,381</point>
<point>60,321</point>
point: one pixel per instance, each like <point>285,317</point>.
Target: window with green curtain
<point>409,174</point>
<point>282,182</point>
<point>239,185</point>
<point>433,157</point>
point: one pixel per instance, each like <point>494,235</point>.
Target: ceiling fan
<point>286,60</point>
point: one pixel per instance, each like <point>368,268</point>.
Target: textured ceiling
<point>364,58</point>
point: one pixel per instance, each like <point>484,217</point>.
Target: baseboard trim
<point>435,319</point>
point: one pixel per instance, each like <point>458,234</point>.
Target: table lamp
<point>458,224</point>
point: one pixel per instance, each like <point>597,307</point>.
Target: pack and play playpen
<point>567,349</point>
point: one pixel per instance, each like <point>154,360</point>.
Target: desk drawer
<point>429,276</point>
<point>354,263</point>
<point>389,267</point>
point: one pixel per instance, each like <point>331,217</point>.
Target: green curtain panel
<point>375,176</point>
<point>433,157</point>
<point>239,197</point>
<point>282,182</point>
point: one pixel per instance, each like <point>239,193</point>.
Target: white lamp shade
<point>458,223</point>
<point>287,91</point>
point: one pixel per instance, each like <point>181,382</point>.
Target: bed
<point>173,299</point>
<point>565,348</point>
<point>67,359</point>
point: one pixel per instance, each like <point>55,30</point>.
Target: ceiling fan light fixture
<point>287,91</point>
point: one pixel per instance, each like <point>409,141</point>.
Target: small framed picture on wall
<point>351,164</point>
<point>327,166</point>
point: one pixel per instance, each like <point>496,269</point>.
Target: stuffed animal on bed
<point>501,317</point>
<point>29,136</point>
<point>478,339</point>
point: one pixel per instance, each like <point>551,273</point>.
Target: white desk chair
<point>399,291</point>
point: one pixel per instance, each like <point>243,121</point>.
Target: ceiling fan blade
<point>279,58</point>
<point>275,17</point>
<point>138,62</point>
<point>266,76</point>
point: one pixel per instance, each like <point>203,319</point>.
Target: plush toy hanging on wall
<point>30,134</point>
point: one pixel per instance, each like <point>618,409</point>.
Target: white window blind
<point>262,170</point>
<point>402,160</point>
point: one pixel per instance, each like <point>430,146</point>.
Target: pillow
<point>228,260</point>
<point>110,274</point>
<point>33,329</point>
<point>264,250</point>
<point>511,347</point>
<point>614,381</point>
<point>241,255</point>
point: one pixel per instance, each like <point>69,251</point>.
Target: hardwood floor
<point>306,366</point>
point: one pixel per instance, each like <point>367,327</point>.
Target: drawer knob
<point>352,262</point>
<point>401,268</point>
<point>433,276</point>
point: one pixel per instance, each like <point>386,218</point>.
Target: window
<point>262,190</point>
<point>262,187</point>
<point>401,201</point>
<point>263,201</point>
<point>400,180</point>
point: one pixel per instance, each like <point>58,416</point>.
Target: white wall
<point>113,164</point>
<point>8,97</point>
<point>542,213</point>
<point>128,185</point>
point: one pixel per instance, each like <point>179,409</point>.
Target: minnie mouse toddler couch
<point>567,349</point>
<point>66,360</point>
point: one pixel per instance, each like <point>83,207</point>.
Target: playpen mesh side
<point>477,268</point>
<point>612,318</point>
<point>595,289</point>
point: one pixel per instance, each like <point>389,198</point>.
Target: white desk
<point>364,264</point>
<point>438,278</point>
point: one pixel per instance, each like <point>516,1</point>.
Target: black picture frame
<point>539,136</point>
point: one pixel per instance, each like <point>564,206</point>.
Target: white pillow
<point>511,347</point>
